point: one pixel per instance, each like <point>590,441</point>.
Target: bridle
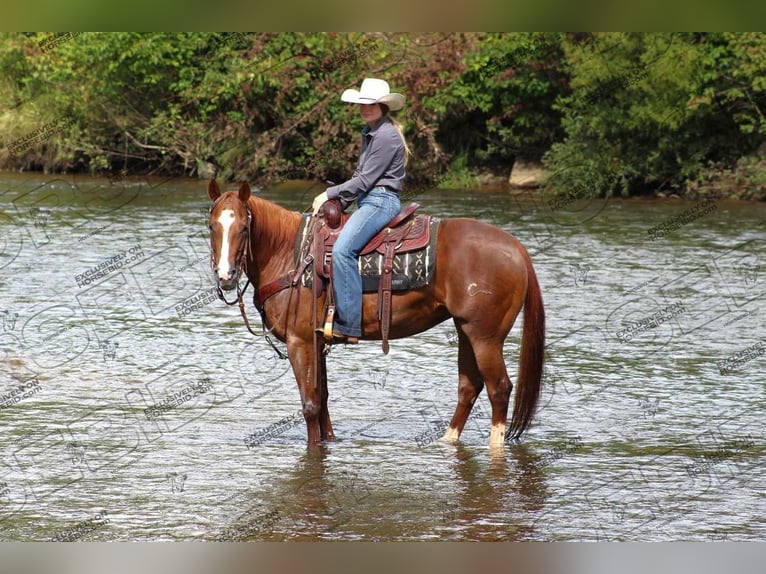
<point>245,253</point>
<point>288,280</point>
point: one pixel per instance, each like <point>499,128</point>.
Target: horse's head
<point>229,232</point>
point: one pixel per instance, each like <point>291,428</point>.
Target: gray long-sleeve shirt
<point>381,163</point>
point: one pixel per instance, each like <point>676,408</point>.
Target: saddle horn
<point>332,213</point>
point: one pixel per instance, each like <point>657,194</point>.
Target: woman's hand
<point>319,200</point>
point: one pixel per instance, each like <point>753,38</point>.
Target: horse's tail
<point>530,377</point>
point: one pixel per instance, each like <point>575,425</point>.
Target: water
<point>644,432</point>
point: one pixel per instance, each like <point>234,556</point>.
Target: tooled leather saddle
<point>400,257</point>
<point>405,233</point>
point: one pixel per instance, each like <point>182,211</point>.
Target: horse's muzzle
<point>228,281</point>
<point>228,284</point>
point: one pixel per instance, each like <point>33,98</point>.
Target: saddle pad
<point>412,270</point>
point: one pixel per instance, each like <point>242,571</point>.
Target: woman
<point>376,184</point>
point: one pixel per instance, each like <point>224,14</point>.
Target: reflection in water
<point>308,496</point>
<point>481,497</point>
<point>498,488</point>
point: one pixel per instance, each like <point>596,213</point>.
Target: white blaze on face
<point>225,219</point>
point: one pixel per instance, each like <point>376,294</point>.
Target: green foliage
<point>609,113</point>
<point>650,111</point>
<point>458,175</point>
<point>500,106</point>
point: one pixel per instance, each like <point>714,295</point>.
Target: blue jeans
<point>376,208</point>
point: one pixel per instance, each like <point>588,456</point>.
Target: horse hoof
<point>450,436</point>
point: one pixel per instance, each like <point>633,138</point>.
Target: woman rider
<point>376,184</point>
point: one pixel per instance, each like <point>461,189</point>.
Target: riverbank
<point>746,181</point>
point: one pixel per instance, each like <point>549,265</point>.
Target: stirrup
<point>337,337</point>
<point>327,331</point>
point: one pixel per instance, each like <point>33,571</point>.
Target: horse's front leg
<point>325,426</point>
<point>303,360</point>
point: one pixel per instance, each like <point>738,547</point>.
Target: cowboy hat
<point>374,92</point>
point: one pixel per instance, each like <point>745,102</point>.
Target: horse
<point>483,277</point>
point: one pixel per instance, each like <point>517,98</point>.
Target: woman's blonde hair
<point>399,129</point>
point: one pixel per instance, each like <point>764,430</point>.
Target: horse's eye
<point>244,230</point>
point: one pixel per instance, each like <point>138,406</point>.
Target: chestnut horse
<point>482,279</point>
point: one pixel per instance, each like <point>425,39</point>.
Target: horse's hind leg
<point>489,357</point>
<point>470,385</point>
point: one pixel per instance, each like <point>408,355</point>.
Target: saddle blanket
<point>412,270</point>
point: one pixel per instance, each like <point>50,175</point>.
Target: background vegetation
<point>612,113</point>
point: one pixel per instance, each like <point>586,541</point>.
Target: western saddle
<point>406,232</point>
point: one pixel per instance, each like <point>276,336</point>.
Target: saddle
<point>405,233</point>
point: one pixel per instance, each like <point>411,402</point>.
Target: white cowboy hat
<point>374,92</point>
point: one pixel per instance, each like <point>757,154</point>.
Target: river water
<point>651,424</point>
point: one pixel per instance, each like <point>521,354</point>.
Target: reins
<point>288,280</point>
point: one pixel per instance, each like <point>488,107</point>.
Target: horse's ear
<point>244,192</point>
<point>213,190</point>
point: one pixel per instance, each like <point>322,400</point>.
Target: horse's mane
<point>274,225</point>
